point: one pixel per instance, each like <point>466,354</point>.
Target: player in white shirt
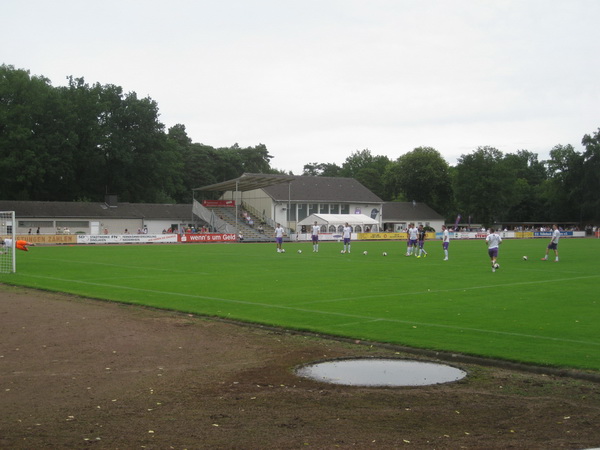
<point>553,245</point>
<point>413,240</point>
<point>347,234</point>
<point>445,241</point>
<point>279,232</point>
<point>315,237</point>
<point>493,241</point>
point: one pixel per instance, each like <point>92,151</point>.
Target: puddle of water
<point>381,372</point>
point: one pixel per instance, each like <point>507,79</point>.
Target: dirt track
<point>77,373</point>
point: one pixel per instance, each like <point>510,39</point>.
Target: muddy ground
<point>80,373</point>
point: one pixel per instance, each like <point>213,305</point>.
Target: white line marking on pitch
<point>327,313</point>
<point>434,291</point>
<point>145,268</point>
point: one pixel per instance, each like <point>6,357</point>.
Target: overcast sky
<point>316,80</point>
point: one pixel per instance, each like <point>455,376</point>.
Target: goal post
<point>8,230</point>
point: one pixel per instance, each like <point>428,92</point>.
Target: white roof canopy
<point>338,219</point>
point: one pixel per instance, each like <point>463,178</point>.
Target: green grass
<point>530,311</point>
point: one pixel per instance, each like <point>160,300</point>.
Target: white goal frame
<point>8,230</point>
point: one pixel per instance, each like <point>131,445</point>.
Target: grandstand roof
<point>299,188</point>
<point>248,182</point>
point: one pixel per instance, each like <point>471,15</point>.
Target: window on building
<point>73,223</point>
<point>344,209</point>
<point>324,208</point>
<point>334,209</point>
<point>36,224</point>
<point>302,209</point>
<point>313,208</point>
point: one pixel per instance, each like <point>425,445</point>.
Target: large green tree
<point>29,133</point>
<point>367,169</point>
<point>563,192</point>
<point>482,186</point>
<point>421,175</point>
<point>322,170</point>
<point>591,177</point>
<point>81,141</point>
<point>525,186</point>
<point>86,163</point>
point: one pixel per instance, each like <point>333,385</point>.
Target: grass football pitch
<point>530,311</point>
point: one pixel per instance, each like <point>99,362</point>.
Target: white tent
<point>335,221</point>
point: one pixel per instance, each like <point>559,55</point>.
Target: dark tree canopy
<point>81,142</point>
<point>422,175</point>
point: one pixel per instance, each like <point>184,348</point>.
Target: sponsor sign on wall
<point>127,239</point>
<point>209,203</point>
<point>48,238</point>
<point>207,237</point>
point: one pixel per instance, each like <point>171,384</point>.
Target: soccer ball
<point>343,251</point>
<point>524,258</point>
<point>496,266</point>
<point>365,252</point>
<point>299,251</point>
<point>283,250</point>
<point>384,254</point>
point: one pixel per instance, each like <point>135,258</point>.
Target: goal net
<point>8,260</point>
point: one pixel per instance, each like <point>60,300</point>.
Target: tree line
<point>486,185</point>
<point>82,141</point>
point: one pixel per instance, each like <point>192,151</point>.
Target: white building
<point>288,199</point>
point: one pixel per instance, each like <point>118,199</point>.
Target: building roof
<point>91,210</point>
<point>403,211</point>
<point>322,190</point>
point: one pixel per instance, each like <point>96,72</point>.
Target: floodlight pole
<point>289,203</point>
<point>237,186</point>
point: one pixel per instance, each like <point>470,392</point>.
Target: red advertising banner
<point>209,203</point>
<point>207,237</point>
